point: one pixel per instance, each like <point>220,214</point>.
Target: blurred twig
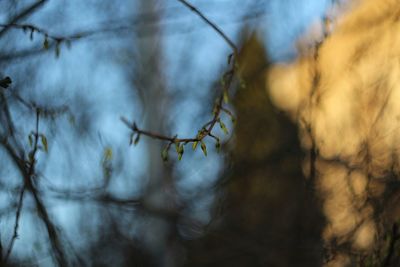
<point>26,167</point>
<point>55,40</point>
<point>26,12</point>
<point>16,225</point>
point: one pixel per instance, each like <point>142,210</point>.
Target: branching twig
<point>32,28</point>
<point>21,15</point>
<point>61,38</point>
<point>16,226</point>
<point>26,168</point>
<point>79,36</point>
<point>29,175</point>
<point>207,128</point>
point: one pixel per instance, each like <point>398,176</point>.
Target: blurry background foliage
<point>75,193</point>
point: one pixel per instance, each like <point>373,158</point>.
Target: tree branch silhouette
<point>26,166</point>
<point>26,12</point>
<point>213,25</point>
<point>16,225</point>
<point>208,127</point>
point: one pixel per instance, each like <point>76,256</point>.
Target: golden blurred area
<point>344,96</point>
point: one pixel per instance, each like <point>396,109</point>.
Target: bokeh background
<point>157,63</point>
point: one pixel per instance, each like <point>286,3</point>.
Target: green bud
<point>164,154</point>
<point>194,146</point>
<point>204,148</point>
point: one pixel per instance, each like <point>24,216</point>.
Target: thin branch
<point>155,135</point>
<point>51,229</point>
<point>58,39</point>
<point>27,169</point>
<point>212,24</point>
<point>32,28</point>
<point>32,153</point>
<point>26,12</point>
<point>29,174</point>
<point>206,129</point>
<point>63,38</point>
<point>16,225</point>
<point>8,121</point>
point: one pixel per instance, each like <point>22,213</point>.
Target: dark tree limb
<point>26,167</point>
<point>24,13</point>
<point>16,226</point>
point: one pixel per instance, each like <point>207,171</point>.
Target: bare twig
<point>26,12</point>
<point>16,225</point>
<point>155,135</point>
<point>32,28</point>
<point>207,128</point>
<point>29,175</point>
<point>79,36</point>
<point>26,168</point>
<point>51,229</point>
<point>213,25</point>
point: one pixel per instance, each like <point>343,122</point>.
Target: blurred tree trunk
<point>159,192</point>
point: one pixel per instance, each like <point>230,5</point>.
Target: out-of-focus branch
<point>26,167</point>
<point>29,175</point>
<point>138,204</point>
<point>308,124</point>
<point>83,35</point>
<point>51,229</point>
<point>16,226</point>
<point>26,12</point>
<point>32,29</point>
